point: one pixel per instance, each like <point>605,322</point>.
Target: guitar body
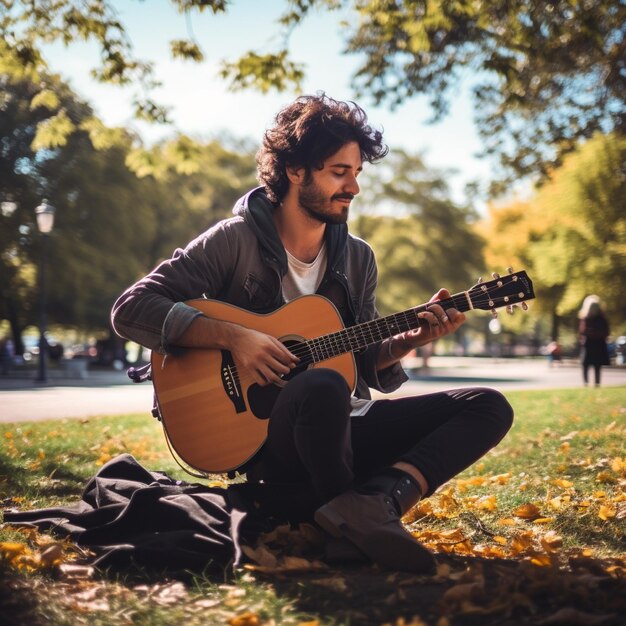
<point>214,415</point>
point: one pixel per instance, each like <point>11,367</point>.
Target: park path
<point>111,393</point>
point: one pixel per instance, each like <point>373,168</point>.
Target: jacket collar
<point>256,209</point>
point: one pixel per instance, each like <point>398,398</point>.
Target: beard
<point>318,206</point>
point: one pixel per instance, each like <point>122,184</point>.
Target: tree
<point>111,225</point>
<point>422,239</point>
<point>578,246</point>
<point>572,234</point>
<point>544,74</point>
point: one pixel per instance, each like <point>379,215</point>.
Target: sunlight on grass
<point>549,496</point>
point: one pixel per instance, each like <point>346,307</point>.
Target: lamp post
<point>45,221</point>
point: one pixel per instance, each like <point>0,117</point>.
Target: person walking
<point>593,330</point>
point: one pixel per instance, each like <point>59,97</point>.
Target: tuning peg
<point>494,314</point>
<point>480,280</point>
<point>496,275</point>
<point>524,306</point>
<point>509,309</point>
<point>509,270</point>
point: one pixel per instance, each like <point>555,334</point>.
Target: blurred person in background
<point>593,330</point>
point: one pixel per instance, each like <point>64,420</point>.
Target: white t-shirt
<point>303,279</point>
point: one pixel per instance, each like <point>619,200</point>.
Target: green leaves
<point>263,72</point>
<point>571,233</point>
<point>187,50</point>
<point>47,99</point>
<point>543,75</point>
<point>53,132</point>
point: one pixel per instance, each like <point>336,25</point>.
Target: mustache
<point>343,196</point>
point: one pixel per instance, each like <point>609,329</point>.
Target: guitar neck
<point>361,336</point>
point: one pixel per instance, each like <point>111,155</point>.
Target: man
<point>366,462</point>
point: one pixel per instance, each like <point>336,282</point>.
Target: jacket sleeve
<point>392,377</point>
<point>153,312</point>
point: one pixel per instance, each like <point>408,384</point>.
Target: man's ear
<point>295,174</point>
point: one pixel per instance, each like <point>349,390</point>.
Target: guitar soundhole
<point>302,351</point>
<point>262,399</point>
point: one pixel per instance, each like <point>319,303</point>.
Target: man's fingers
<point>284,355</point>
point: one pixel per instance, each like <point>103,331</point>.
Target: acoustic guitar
<point>215,416</point>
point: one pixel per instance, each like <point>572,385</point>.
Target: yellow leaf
<point>522,542</point>
<point>564,484</point>
<point>527,511</point>
<point>556,503</point>
<point>10,549</point>
<point>248,618</point>
<point>543,520</point>
<point>605,477</point>
<point>487,503</point>
<point>551,542</point>
<point>606,512</point>
<point>543,560</point>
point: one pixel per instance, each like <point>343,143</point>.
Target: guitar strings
<point>319,349</point>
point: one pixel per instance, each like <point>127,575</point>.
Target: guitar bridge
<point>231,383</point>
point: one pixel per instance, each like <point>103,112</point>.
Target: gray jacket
<point>241,261</point>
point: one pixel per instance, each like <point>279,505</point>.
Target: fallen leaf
<point>527,511</point>
<point>260,555</point>
<point>606,512</point>
<point>52,555</point>
<point>248,618</point>
<point>574,617</point>
<point>462,593</point>
<point>335,583</point>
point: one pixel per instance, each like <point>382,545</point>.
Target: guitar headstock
<point>509,290</point>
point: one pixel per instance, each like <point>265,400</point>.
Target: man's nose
<point>352,186</point>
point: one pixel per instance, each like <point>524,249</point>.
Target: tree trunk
<point>554,333</point>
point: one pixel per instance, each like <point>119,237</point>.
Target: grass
<point>549,498</point>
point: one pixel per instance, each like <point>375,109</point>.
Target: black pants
<point>596,370</point>
<point>313,440</point>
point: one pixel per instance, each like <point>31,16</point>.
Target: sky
<point>202,106</point>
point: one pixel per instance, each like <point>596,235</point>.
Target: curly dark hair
<point>306,133</point>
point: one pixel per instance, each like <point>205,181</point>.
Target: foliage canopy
<point>572,233</point>
<point>544,74</point>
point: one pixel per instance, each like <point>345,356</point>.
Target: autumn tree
<point>544,74</point>
<point>572,233</point>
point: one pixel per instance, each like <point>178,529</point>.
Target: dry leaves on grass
<point>287,550</point>
<point>38,551</point>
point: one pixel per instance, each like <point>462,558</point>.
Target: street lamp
<point>45,221</point>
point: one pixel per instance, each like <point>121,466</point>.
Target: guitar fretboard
<point>358,337</point>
